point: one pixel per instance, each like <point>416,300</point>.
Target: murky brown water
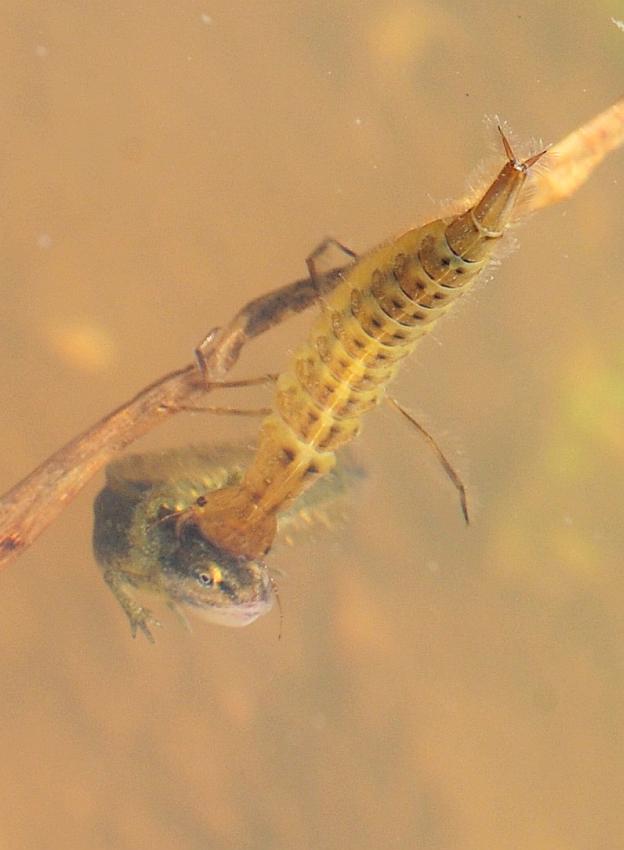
<point>435,686</point>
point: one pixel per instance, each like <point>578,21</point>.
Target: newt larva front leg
<point>385,302</point>
<point>120,581</point>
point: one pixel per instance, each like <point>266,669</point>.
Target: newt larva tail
<point>386,301</point>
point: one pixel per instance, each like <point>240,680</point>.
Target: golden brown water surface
<point>435,686</point>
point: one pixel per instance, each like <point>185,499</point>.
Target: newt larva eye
<point>212,576</point>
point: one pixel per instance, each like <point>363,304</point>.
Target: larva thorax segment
<point>384,303</point>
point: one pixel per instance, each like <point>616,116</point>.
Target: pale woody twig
<point>572,160</point>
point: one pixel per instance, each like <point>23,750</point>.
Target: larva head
<point>230,520</point>
<point>225,589</point>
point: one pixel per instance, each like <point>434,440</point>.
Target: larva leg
<point>221,348</point>
<point>270,378</point>
<point>230,411</point>
<point>226,411</point>
<point>446,464</point>
<point>181,616</point>
<point>139,618</point>
<point>320,249</point>
<point>204,346</point>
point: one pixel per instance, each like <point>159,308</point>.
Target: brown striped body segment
<point>387,300</point>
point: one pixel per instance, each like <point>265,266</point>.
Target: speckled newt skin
<point>387,300</point>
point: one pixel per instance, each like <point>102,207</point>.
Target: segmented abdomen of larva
<point>385,302</point>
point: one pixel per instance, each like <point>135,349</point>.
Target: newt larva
<point>137,547</point>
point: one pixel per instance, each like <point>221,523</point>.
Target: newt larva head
<point>140,545</point>
<point>222,588</point>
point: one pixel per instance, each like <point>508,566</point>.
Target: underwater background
<point>435,686</point>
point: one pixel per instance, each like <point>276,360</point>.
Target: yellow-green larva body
<point>386,301</point>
